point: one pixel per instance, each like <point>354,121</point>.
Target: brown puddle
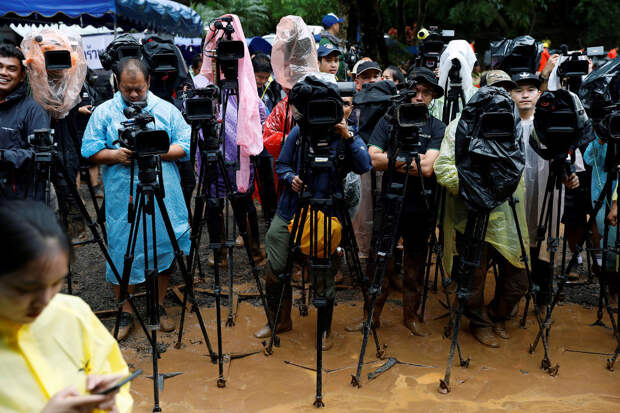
<point>507,379</point>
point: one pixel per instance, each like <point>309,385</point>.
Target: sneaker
<point>165,323</point>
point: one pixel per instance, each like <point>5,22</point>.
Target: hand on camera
<point>297,184</point>
<point>69,400</point>
<point>572,181</point>
<point>86,110</point>
<point>342,129</point>
<point>612,217</point>
<point>551,62</point>
<point>123,156</point>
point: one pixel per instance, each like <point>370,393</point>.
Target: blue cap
<point>330,19</point>
<point>327,49</point>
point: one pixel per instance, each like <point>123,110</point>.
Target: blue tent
<point>158,15</point>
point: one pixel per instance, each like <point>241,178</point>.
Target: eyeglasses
<point>347,104</point>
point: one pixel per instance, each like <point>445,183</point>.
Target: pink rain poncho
<point>249,129</point>
<point>58,91</point>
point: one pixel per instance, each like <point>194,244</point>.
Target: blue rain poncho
<point>101,133</point>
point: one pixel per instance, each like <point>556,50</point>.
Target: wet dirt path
<point>507,379</point>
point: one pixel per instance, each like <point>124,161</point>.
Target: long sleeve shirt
<point>64,345</point>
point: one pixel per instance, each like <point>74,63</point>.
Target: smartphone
<point>120,383</point>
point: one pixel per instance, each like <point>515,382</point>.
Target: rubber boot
<point>272,292</point>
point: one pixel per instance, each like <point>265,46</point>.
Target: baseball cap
<point>327,49</point>
<point>526,77</point>
<point>364,66</point>
<point>499,78</point>
<point>330,19</point>
<point>425,75</point>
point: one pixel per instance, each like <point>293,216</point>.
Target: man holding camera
<point>416,221</point>
<point>100,145</point>
<point>20,116</point>
<point>352,155</point>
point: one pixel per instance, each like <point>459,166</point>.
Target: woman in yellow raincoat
<point>55,355</point>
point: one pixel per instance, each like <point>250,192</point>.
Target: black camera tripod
<point>392,198</point>
<point>611,162</point>
<point>150,199</point>
<point>214,165</point>
<point>332,205</point>
<point>47,161</point>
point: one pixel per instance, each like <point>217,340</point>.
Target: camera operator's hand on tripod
<point>572,181</point>
<point>612,217</point>
<point>69,400</point>
<point>297,184</point>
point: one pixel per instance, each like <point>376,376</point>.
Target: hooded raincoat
<point>501,231</point>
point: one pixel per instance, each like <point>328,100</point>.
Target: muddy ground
<point>507,379</point>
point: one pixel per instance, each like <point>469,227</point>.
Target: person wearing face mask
<point>55,355</point>
<point>100,146</point>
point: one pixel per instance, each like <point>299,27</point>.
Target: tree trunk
<point>371,25</point>
<point>400,20</point>
<point>352,20</point>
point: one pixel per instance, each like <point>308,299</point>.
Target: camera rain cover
<point>314,91</point>
<point>561,124</point>
<point>521,54</point>
<point>489,158</point>
<point>294,51</point>
<point>595,92</point>
<point>57,90</point>
<point>373,100</point>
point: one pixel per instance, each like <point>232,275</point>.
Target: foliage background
<point>577,23</point>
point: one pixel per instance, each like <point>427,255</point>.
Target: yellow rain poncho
<point>66,343</point>
<point>501,231</point>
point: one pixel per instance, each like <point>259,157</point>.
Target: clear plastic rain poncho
<point>501,231</point>
<point>58,91</point>
<point>461,50</point>
<point>294,51</point>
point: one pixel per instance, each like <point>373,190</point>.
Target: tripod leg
<point>427,275</point>
<point>318,401</point>
<point>444,384</point>
<point>375,291</point>
<point>189,286</point>
<point>303,307</point>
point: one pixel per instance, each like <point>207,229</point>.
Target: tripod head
<point>44,145</point>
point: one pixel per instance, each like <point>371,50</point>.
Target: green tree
<point>254,14</point>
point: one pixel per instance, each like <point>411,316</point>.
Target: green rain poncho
<point>501,231</point>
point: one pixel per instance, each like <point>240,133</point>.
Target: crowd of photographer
<point>390,167</point>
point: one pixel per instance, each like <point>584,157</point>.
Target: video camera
<point>352,55</point>
<point>432,46</point>
<point>227,52</point>
<point>521,54</point>
<point>139,139</point>
<point>319,107</point>
<point>124,46</point>
<point>561,125</point>
<point>43,142</point>
<point>200,104</point>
